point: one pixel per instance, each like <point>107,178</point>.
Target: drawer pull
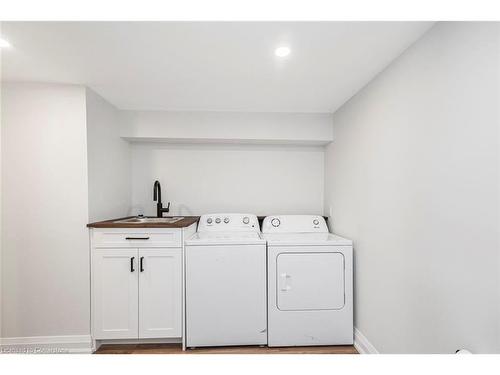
<point>137,238</point>
<point>142,265</point>
<point>132,264</point>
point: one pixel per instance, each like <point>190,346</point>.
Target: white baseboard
<point>362,345</point>
<point>47,344</point>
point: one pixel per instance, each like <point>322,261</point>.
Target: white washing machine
<point>310,296</point>
<point>226,299</point>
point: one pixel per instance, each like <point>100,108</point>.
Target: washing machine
<point>310,293</point>
<point>225,281</point>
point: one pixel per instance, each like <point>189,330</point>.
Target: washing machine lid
<point>305,239</point>
<point>225,238</point>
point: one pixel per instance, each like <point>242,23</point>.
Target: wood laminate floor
<point>177,349</point>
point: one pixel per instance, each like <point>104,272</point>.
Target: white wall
<point>1,195</point>
<point>412,177</point>
<point>250,162</point>
<point>108,161</point>
<point>258,179</point>
<point>236,127</point>
<point>45,209</point>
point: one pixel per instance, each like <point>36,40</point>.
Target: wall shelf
<point>237,141</point>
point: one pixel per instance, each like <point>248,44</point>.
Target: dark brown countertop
<point>186,222</point>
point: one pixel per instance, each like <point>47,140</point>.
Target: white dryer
<point>310,296</point>
<point>226,301</point>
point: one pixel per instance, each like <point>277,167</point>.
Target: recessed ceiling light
<point>4,43</point>
<point>282,51</point>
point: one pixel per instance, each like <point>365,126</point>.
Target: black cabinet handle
<point>137,238</point>
<point>132,264</point>
<point>142,268</point>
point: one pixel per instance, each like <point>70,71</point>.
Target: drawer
<point>131,237</point>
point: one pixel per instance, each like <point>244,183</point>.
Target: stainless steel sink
<point>151,220</point>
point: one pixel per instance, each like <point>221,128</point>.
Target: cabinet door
<point>115,293</point>
<point>160,294</point>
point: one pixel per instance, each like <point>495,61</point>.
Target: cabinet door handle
<point>142,267</point>
<point>132,264</point>
<point>137,238</point>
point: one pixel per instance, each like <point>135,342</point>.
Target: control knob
<point>226,220</point>
<point>217,220</point>
<point>275,222</point>
<point>246,220</point>
<point>316,222</point>
<point>209,220</point>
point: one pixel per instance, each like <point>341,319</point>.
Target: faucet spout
<point>157,197</point>
<point>157,191</point>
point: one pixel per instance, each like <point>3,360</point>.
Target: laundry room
<point>261,187</point>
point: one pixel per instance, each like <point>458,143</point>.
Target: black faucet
<point>157,197</point>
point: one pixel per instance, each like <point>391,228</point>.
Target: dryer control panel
<point>294,224</point>
<point>228,223</point>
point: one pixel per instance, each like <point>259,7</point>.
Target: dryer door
<point>310,281</point>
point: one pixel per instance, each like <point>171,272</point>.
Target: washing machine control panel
<point>294,224</point>
<point>228,223</point>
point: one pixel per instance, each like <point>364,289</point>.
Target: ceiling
<point>208,66</point>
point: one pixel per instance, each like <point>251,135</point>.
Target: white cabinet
<point>137,283</point>
<point>160,293</point>
<point>115,293</point>
<point>137,293</point>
